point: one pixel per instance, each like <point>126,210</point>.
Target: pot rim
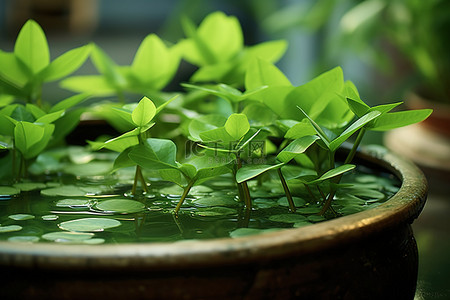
<point>401,208</point>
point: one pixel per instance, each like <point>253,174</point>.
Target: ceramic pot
<point>367,255</point>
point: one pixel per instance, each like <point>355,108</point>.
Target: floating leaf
<point>10,228</point>
<point>122,206</point>
<point>21,217</point>
<point>50,217</point>
<point>73,203</point>
<point>65,191</point>
<point>67,237</point>
<point>89,224</point>
<point>23,239</point>
<point>297,201</point>
<point>8,191</point>
<point>215,201</point>
<point>287,218</point>
<point>94,241</point>
<point>29,186</point>
<point>250,231</point>
<point>215,211</point>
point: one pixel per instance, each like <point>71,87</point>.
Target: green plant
<point>25,70</point>
<point>139,116</point>
<point>297,129</point>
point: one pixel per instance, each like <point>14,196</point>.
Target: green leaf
<point>31,47</point>
<point>12,73</point>
<point>300,129</point>
<point>205,123</point>
<point>359,108</point>
<point>89,224</point>
<point>119,143</point>
<point>121,206</point>
<point>248,172</point>
<point>68,102</point>
<point>216,135</point>
<point>317,128</point>
<point>237,126</point>
<point>296,147</point>
<point>358,124</point>
<point>399,119</point>
<point>92,84</point>
<point>173,175</point>
<point>35,111</point>
<point>144,112</point>
<point>51,117</point>
<point>9,191</point>
<point>263,73</point>
<point>21,217</point>
<point>26,135</point>
<point>65,64</point>
<point>333,173</point>
<point>155,154</point>
<point>154,64</point>
<point>67,237</point>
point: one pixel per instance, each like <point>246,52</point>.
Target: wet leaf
<point>24,239</point>
<point>65,191</point>
<point>215,211</point>
<point>10,228</point>
<point>21,217</point>
<point>8,191</point>
<point>89,224</point>
<point>67,237</point>
<point>287,218</point>
<point>298,202</point>
<point>121,206</point>
<point>73,203</point>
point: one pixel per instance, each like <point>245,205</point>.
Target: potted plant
<point>263,201</point>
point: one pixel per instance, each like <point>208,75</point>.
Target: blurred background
<point>389,49</point>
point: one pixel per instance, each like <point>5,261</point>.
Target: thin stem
<point>14,153</point>
<point>136,175</point>
<point>352,152</point>
<point>243,190</point>
<point>286,191</point>
<point>185,193</point>
<point>248,200</point>
<point>349,158</point>
<point>142,179</point>
<point>310,192</point>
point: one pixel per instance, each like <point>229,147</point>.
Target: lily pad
<point>215,211</point>
<point>215,201</point>
<point>89,169</point>
<point>309,210</point>
<point>95,241</point>
<point>21,217</point>
<point>297,201</point>
<point>50,217</point>
<point>10,228</point>
<point>24,239</point>
<point>73,203</point>
<point>287,218</point>
<point>122,206</point>
<point>9,191</point>
<point>30,186</point>
<point>249,231</point>
<point>89,224</point>
<point>265,203</point>
<point>67,237</point>
<point>65,191</point>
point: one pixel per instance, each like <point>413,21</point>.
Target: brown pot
<point>367,255</point>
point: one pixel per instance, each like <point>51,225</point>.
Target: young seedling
<point>216,46</point>
<point>153,66</point>
<point>376,118</point>
<point>160,154</point>
<point>141,118</point>
<point>25,70</point>
<point>231,137</point>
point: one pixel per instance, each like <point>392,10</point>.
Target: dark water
<point>102,211</point>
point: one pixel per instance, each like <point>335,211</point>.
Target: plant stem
<point>286,191</point>
<point>243,187</point>
<point>352,152</point>
<point>142,179</point>
<point>136,175</point>
<point>349,158</point>
<point>185,193</point>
